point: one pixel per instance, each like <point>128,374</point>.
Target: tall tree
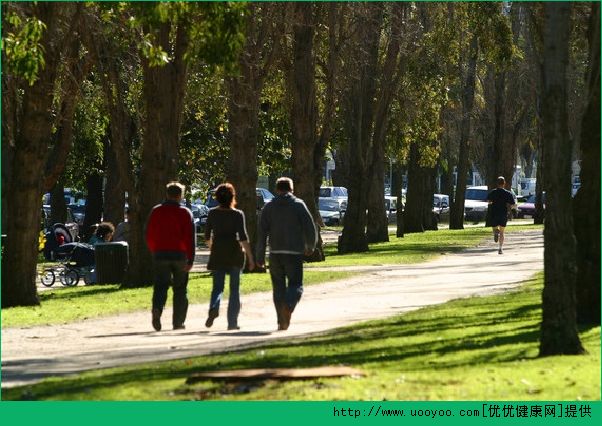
<point>389,77</point>
<point>262,23</point>
<point>311,122</point>
<point>50,27</point>
<point>456,210</point>
<point>535,55</point>
<point>359,113</point>
<point>558,328</point>
<point>587,199</point>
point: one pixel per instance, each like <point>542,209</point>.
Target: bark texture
<point>587,199</point>
<point>559,326</point>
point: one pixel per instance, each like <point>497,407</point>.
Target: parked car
<point>391,208</point>
<point>199,214</point>
<point>263,196</point>
<point>70,223</point>
<point>79,213</point>
<point>329,211</point>
<point>441,207</point>
<point>475,203</point>
<point>337,193</point>
<point>528,208</point>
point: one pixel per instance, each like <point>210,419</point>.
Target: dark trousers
<point>166,272</point>
<point>283,268</point>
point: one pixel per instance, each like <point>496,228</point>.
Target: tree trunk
<point>456,220</point>
<point>163,93</point>
<point>304,113</point>
<point>35,130</point>
<point>360,125</point>
<point>428,219</point>
<point>243,134</point>
<point>496,167</point>
<point>10,89</point>
<point>113,201</point>
<point>334,14</point>
<point>93,204</point>
<point>58,206</point>
<point>244,93</point>
<point>76,71</point>
<point>559,328</point>
<point>587,199</point>
<point>417,186</point>
<point>396,190</point>
<point>377,229</point>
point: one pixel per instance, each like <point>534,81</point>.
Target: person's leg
<point>294,273</point>
<point>180,290</point>
<point>278,284</point>
<point>162,276</point>
<point>234,299</point>
<point>219,278</point>
<point>502,228</point>
<point>496,233</point>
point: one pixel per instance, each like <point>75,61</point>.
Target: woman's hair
<point>105,228</point>
<point>225,194</point>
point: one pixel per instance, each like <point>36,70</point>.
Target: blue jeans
<point>219,278</point>
<point>283,267</point>
<point>165,271</point>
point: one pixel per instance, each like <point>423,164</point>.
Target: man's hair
<point>174,189</point>
<point>225,194</point>
<point>501,181</point>
<point>284,184</point>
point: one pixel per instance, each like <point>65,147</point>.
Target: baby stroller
<point>74,260</point>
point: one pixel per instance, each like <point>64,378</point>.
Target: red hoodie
<point>170,231</point>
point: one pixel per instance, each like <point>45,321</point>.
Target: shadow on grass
<point>79,292</point>
<point>401,250</point>
<point>465,332</point>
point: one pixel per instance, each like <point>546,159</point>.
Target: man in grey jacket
<point>292,234</point>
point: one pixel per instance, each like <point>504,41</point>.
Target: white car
<point>475,203</point>
<point>336,193</point>
<point>441,207</point>
<point>329,211</point>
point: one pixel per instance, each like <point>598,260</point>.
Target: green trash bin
<point>111,262</point>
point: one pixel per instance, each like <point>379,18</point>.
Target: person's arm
<point>150,232</point>
<point>512,202</point>
<point>310,235</point>
<point>262,235</point>
<point>247,248</point>
<point>208,229</point>
<point>243,237</point>
<point>191,241</point>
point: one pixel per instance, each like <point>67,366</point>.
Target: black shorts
<point>499,220</point>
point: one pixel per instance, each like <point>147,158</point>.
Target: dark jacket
<point>289,225</point>
<point>170,232</point>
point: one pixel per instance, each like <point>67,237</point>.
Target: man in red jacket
<point>171,238</point>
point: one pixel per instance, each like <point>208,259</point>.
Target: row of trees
<point>136,94</point>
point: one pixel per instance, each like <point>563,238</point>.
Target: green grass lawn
<point>414,248</point>
<point>479,348</point>
<point>74,304</point>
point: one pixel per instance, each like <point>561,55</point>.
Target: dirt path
<point>30,354</point>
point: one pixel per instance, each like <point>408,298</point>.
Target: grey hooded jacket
<point>289,225</point>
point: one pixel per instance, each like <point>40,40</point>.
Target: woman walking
<point>226,236</point>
